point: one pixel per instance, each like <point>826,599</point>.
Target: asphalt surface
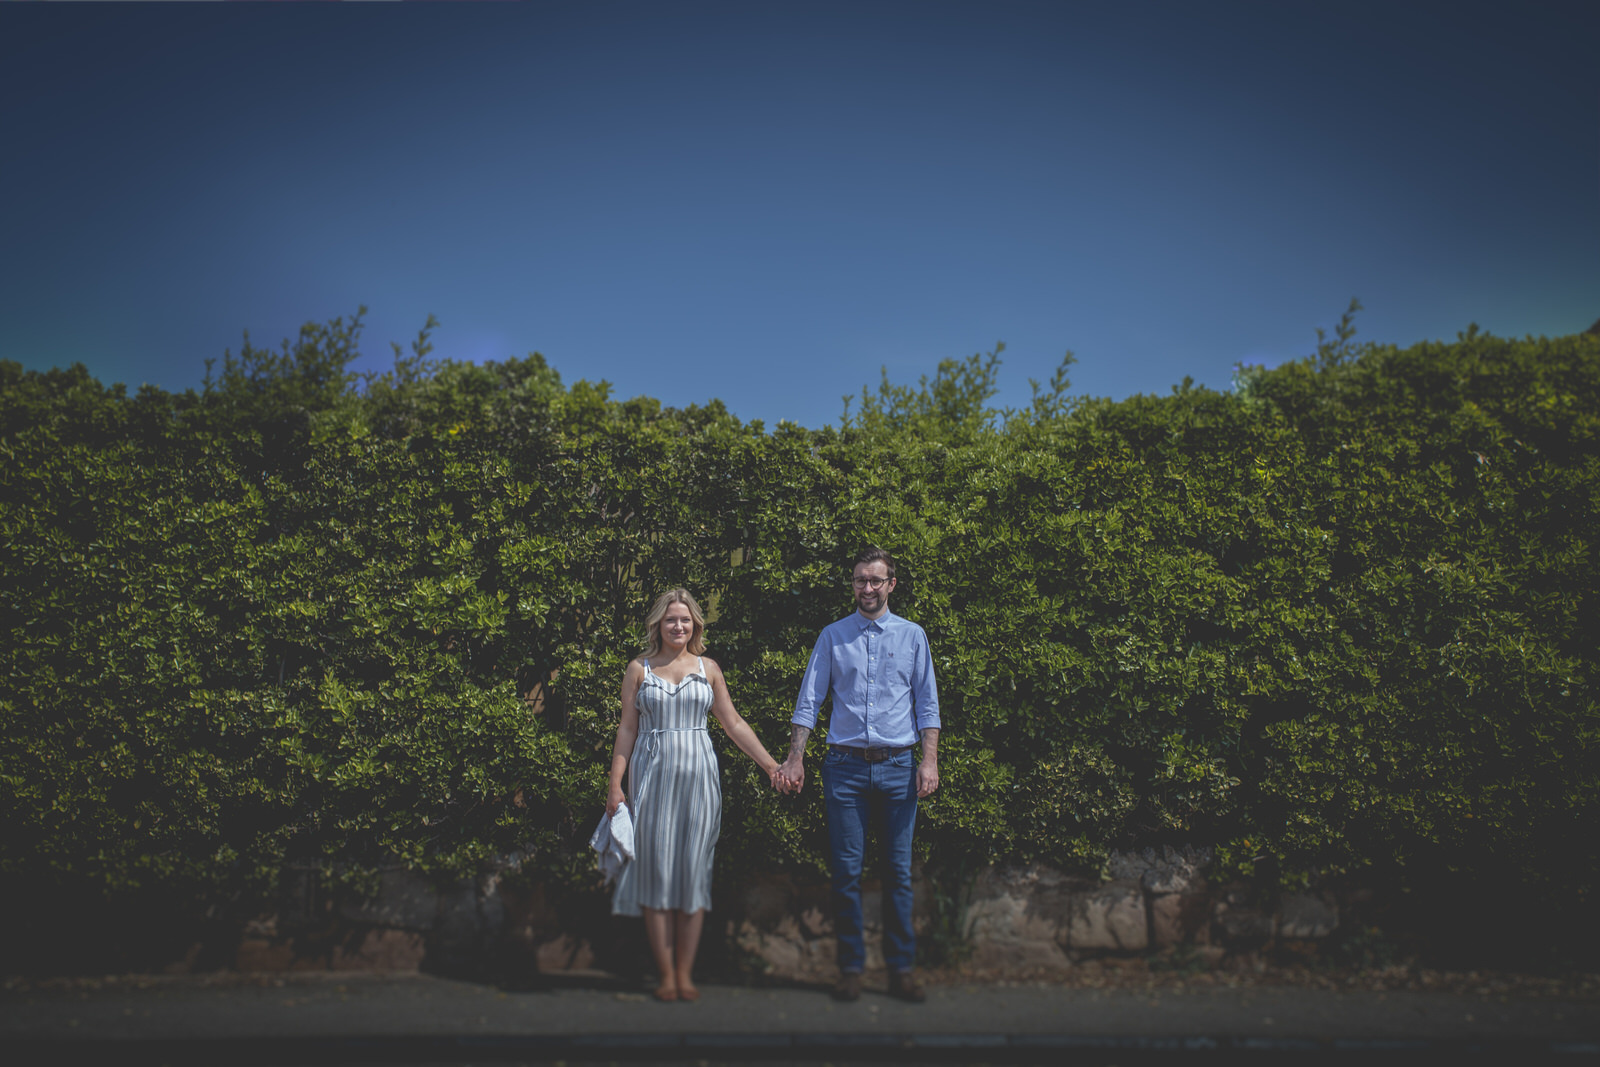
<point>422,1019</point>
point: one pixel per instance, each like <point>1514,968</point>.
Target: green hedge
<point>1342,618</point>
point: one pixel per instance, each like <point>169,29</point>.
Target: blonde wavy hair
<point>652,622</point>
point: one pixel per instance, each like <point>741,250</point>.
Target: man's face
<point>872,586</point>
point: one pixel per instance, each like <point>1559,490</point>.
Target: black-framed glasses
<point>869,583</point>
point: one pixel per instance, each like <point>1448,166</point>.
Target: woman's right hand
<point>614,798</point>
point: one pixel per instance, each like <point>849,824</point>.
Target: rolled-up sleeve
<point>924,690</point>
<point>814,686</point>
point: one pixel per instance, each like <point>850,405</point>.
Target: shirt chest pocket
<point>897,668</point>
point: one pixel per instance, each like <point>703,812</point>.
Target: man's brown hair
<point>871,554</point>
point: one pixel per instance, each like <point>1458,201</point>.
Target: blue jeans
<point>886,792</point>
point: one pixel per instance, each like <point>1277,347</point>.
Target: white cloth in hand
<point>613,839</point>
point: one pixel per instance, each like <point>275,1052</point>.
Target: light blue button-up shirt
<point>881,676</point>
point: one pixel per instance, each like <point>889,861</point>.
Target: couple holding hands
<point>877,668</point>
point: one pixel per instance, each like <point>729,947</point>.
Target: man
<point>879,672</point>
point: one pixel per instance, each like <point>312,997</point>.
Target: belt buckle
<point>876,755</point>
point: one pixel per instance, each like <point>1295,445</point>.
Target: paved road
<point>426,1019</point>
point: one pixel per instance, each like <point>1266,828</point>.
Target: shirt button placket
<point>872,659</point>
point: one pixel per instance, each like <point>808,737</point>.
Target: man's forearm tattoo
<point>797,740</point>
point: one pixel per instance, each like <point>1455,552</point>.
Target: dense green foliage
<point>1342,617</point>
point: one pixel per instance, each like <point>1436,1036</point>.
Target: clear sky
<point>766,202</point>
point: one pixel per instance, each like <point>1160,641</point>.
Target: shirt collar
<point>881,622</point>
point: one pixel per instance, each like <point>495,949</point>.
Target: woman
<point>663,746</point>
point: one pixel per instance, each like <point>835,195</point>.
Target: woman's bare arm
<point>723,710</point>
<point>627,734</point>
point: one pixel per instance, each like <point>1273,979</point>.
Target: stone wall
<point>1037,919</point>
<point>1013,921</point>
<point>1032,920</point>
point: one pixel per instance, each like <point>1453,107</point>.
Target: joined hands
<point>789,776</point>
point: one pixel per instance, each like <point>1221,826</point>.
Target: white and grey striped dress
<point>676,799</point>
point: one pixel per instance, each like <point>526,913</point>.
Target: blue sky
<point>766,202</point>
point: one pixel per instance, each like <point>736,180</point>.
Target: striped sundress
<point>676,799</point>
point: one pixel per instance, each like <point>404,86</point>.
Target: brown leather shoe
<point>848,987</point>
<point>905,986</point>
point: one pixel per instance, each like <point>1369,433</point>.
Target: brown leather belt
<point>872,755</point>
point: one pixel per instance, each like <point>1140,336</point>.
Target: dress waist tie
<point>654,735</point>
